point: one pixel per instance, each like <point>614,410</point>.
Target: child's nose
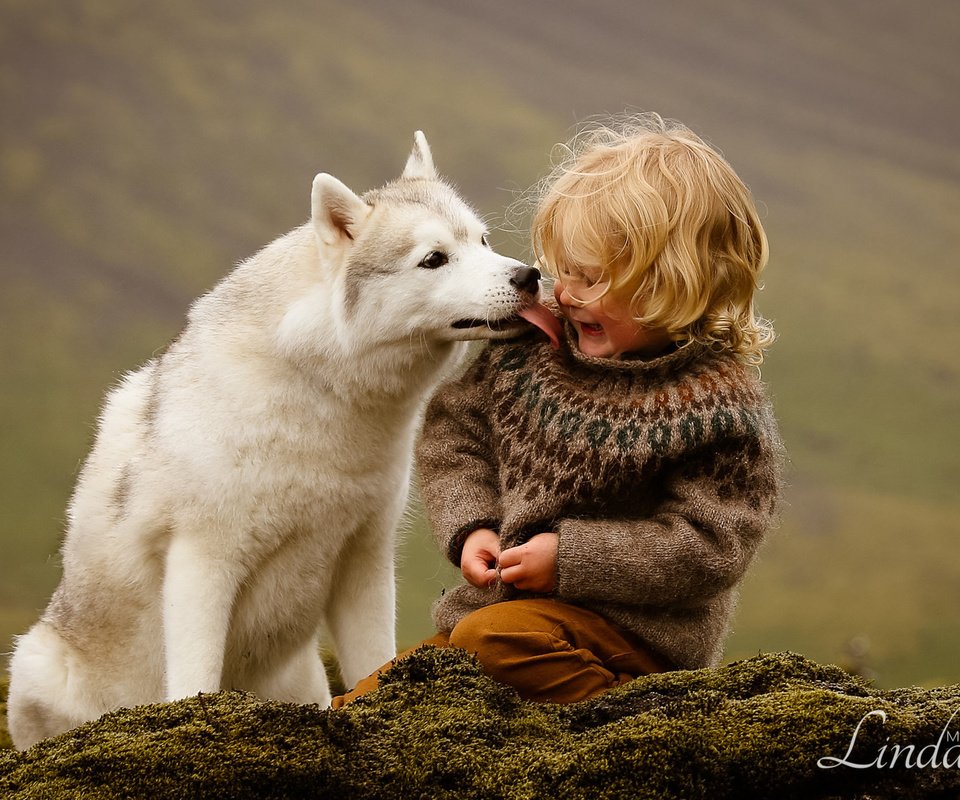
<point>561,294</point>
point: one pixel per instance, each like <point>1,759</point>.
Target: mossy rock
<point>439,728</point>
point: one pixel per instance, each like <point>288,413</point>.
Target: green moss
<point>439,728</point>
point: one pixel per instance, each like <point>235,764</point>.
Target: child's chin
<point>591,347</point>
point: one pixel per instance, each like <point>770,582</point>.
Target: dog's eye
<point>485,240</point>
<point>434,259</point>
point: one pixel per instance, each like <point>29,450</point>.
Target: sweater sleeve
<point>456,463</point>
<point>696,544</point>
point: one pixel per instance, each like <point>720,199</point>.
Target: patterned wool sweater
<point>661,478</point>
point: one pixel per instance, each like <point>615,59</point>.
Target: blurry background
<point>146,147</point>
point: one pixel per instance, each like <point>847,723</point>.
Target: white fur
<point>244,488</point>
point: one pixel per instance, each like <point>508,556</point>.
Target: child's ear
<point>336,211</point>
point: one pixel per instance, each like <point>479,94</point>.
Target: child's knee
<point>494,634</point>
<point>504,632</point>
<point>477,630</point>
<point>508,619</point>
<point>520,643</point>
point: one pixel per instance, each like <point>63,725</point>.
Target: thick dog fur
<point>244,488</point>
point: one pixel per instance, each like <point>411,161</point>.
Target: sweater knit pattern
<point>660,477</point>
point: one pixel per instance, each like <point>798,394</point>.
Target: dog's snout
<point>526,279</point>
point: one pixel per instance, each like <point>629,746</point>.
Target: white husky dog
<point>244,487</point>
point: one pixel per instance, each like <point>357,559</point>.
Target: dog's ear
<point>420,162</point>
<point>337,212</point>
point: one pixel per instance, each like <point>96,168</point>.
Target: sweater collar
<point>678,356</point>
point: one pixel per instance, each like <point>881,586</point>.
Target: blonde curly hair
<point>670,226</point>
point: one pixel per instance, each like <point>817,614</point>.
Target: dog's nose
<point>526,279</point>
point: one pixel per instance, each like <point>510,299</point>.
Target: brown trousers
<point>547,650</point>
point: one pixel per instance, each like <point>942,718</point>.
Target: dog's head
<point>414,261</point>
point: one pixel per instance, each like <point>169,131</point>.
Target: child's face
<point>604,325</point>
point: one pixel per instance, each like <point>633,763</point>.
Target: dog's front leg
<point>362,611</point>
<point>198,595</point>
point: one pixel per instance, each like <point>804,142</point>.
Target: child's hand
<point>532,566</point>
<point>478,559</point>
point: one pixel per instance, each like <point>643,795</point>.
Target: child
<point>604,498</point>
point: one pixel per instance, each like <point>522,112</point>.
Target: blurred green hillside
<point>146,147</point>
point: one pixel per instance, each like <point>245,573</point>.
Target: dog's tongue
<point>538,314</point>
